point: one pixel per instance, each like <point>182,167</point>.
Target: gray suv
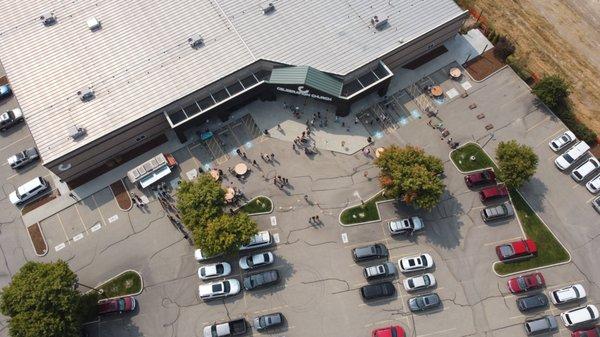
<point>540,325</point>
<point>532,302</point>
<point>371,252</point>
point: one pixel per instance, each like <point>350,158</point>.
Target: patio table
<point>437,91</point>
<point>240,169</point>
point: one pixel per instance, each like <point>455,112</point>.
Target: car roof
<point>33,183</point>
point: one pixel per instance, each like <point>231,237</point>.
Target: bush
<point>519,66</point>
<point>553,90</point>
<point>504,48</point>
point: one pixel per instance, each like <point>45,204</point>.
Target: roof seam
<point>235,30</point>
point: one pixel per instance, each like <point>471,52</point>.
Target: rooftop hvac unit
<point>48,19</point>
<point>196,41</point>
<point>93,24</point>
<point>378,23</point>
<point>76,132</point>
<point>86,94</point>
<point>268,9</point>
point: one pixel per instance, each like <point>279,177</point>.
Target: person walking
<point>272,156</point>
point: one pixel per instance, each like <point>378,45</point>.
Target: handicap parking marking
<point>78,237</point>
<point>96,227</point>
<point>59,247</point>
<point>276,237</point>
<point>344,237</point>
<point>273,221</point>
<point>113,218</point>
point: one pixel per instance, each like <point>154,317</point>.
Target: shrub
<point>519,66</point>
<point>553,90</point>
<point>504,48</point>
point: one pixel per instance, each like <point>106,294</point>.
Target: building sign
<point>304,92</point>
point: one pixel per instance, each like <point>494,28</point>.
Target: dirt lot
<point>555,36</point>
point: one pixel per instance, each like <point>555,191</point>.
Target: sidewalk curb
<point>114,277</point>
<point>260,213</point>
<point>364,222</point>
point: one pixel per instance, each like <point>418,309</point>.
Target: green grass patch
<point>462,158</point>
<point>363,213</point>
<point>258,205</point>
<point>127,283</point>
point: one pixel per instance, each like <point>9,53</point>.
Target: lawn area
<point>258,205</point>
<point>550,251</point>
<point>128,283</point>
<point>363,213</point>
<point>462,158</point>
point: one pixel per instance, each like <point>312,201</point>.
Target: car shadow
<point>285,269</point>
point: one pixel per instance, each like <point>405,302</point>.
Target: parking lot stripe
<point>501,241</point>
<point>63,228</point>
<point>550,137</point>
<point>558,286</point>
<point>15,142</point>
<point>436,333</point>
<point>80,218</point>
<point>99,211</point>
<point>539,123</point>
<point>590,199</point>
<point>12,176</point>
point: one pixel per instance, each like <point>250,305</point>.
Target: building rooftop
<point>102,65</point>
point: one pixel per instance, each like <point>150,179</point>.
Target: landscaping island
<point>127,283</point>
<point>258,205</point>
<point>365,212</point>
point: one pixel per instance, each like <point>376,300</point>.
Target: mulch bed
<point>37,237</point>
<point>121,195</point>
<point>40,202</point>
<point>484,65</point>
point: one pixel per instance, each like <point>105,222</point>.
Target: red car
<point>480,178</point>
<point>523,283</point>
<point>593,332</point>
<point>516,249</point>
<point>117,305</point>
<point>390,331</point>
<point>493,192</point>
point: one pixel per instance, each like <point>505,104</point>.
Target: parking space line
<point>12,176</point>
<point>99,211</point>
<point>501,241</point>
<point>558,286</point>
<point>63,228</point>
<point>81,219</point>
<point>590,199</point>
<point>15,142</point>
<point>437,332</point>
<point>550,137</point>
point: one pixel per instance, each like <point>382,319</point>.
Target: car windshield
<point>521,282</point>
<point>411,283</point>
<point>507,250</point>
<point>203,271</point>
<point>426,280</point>
<point>121,304</point>
<point>220,269</point>
<point>568,158</point>
<point>423,259</point>
<point>226,286</point>
<point>411,222</point>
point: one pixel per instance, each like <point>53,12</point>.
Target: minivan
<point>260,240</point>
<point>585,169</point>
<point>28,191</point>
<point>370,252</point>
<point>567,159</point>
<point>541,325</point>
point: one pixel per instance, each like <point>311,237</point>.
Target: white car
<point>408,225</point>
<point>260,240</point>
<point>561,141</point>
<point>414,263</point>
<point>201,257</point>
<point>593,185</point>
<point>210,291</point>
<point>419,282</point>
<point>567,294</point>
<point>256,260</point>
<point>584,170</point>
<point>567,159</point>
<point>580,315</point>
<point>214,270</point>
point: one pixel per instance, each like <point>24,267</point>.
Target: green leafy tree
<point>225,233</point>
<point>411,175</point>
<point>517,163</point>
<point>41,300</point>
<point>199,201</point>
<point>553,90</point>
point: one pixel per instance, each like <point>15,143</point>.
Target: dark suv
<point>532,302</point>
<point>260,280</point>
<point>379,290</point>
<point>371,252</point>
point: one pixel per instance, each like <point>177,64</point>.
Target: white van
<point>567,159</point>
<point>260,240</point>
<point>28,191</point>
<point>585,169</point>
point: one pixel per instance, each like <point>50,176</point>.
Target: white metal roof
<point>140,60</point>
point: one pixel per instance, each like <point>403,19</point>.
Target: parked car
<point>370,252</point>
<point>593,332</point>
<point>379,271</point>
<point>268,321</point>
<point>378,290</point>
<point>419,282</point>
<point>199,256</point>
<point>5,91</point>
<point>523,283</point>
<point>532,302</point>
<point>414,263</point>
<point>236,327</point>
<point>540,325</point>
<point>211,291</point>
<point>390,331</point>
<point>406,226</point>
<point>29,191</point>
<point>424,302</point>
<point>260,240</point>
<point>117,305</point>
<point>516,250</point>
<point>262,279</point>
<point>562,141</point>
<point>10,118</point>
<point>214,270</point>
<point>504,210</point>
<point>596,204</point>
<point>256,260</point>
<point>493,192</point>
<point>579,316</point>
<point>574,292</point>
<point>23,158</point>
<point>593,185</point>
<point>480,178</point>
<point>584,170</point>
<point>567,159</point>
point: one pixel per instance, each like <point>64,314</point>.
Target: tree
<point>517,163</point>
<point>553,90</point>
<point>225,233</point>
<point>504,48</point>
<point>410,174</point>
<point>41,300</point>
<point>199,201</point>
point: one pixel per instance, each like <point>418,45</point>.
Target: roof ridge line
<point>235,29</point>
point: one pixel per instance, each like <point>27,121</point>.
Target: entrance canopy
<point>309,76</point>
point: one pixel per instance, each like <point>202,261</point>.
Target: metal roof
<point>305,75</point>
<point>140,59</point>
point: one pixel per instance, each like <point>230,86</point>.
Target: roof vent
<point>76,132</point>
<point>86,94</point>
<point>196,41</point>
<point>93,24</point>
<point>48,19</point>
<point>268,9</point>
<point>378,23</point>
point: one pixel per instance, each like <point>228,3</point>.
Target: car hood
<point>12,159</point>
<point>13,198</point>
<point>561,162</point>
